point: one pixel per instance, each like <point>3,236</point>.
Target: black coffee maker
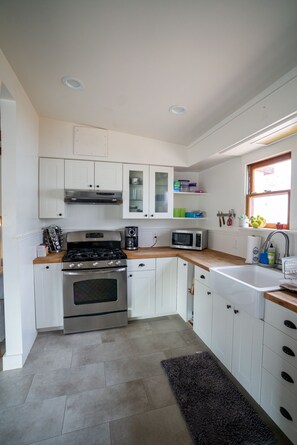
<point>131,238</point>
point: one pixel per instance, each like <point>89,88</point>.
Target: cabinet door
<point>166,271</point>
<point>141,293</point>
<point>79,175</point>
<point>51,188</point>
<point>203,312</point>
<point>135,191</point>
<point>182,289</point>
<point>48,295</point>
<point>161,192</point>
<point>247,352</point>
<point>108,176</point>
<point>222,330</point>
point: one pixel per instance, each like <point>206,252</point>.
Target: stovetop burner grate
<point>89,254</point>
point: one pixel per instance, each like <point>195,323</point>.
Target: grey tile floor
<point>100,388</point>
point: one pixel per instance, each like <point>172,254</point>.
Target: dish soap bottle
<point>271,255</point>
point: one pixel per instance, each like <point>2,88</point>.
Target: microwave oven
<point>189,239</point>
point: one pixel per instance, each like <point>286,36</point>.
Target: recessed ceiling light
<point>73,83</point>
<point>177,109</point>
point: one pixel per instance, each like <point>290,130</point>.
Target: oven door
<point>87,292</point>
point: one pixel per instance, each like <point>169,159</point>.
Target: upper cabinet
<point>147,191</point>
<point>90,175</point>
<point>51,188</point>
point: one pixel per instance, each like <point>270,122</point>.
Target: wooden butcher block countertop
<point>205,258</point>
<point>50,258</point>
<point>284,298</point>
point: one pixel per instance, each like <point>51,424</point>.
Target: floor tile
<point>168,325</point>
<point>191,338</point>
<point>132,368</point>
<point>164,426</point>
<point>39,361</point>
<point>66,381</point>
<point>32,422</point>
<point>57,340</point>
<point>135,329</point>
<point>98,435</point>
<point>14,388</point>
<point>157,342</point>
<point>159,391</point>
<point>101,353</point>
<point>178,352</point>
<point>102,405</point>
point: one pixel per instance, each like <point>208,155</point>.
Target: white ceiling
<point>138,57</point>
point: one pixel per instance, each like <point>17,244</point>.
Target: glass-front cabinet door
<point>135,191</point>
<point>161,192</point>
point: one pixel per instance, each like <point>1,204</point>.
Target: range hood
<point>92,197</point>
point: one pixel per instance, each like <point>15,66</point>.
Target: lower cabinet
<point>166,273</point>
<point>151,287</point>
<point>48,295</point>
<point>182,286</point>
<point>237,340</point>
<point>141,285</point>
<point>202,306</point>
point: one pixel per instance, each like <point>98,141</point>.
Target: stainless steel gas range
<point>94,281</point>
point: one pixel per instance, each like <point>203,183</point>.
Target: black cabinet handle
<point>60,214</point>
<point>185,264</point>
<point>141,265</point>
<point>130,275</point>
<point>290,324</point>
<point>228,306</point>
<point>47,267</point>
<point>152,215</point>
<point>236,311</point>
<point>97,186</point>
<point>285,413</point>
<point>90,186</point>
<point>202,277</point>
<point>208,293</point>
<point>145,215</point>
<point>288,351</point>
<point>287,377</point>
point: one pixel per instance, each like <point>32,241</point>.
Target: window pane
<point>273,208</point>
<point>272,177</point>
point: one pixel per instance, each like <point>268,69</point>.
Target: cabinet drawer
<point>280,369</point>
<point>279,404</point>
<point>281,318</point>
<point>282,344</point>
<point>145,264</point>
<point>202,276</point>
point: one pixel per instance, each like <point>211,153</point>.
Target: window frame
<point>250,185</point>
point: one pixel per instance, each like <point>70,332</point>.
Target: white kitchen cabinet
<point>222,330</point>
<point>108,176</point>
<point>141,288</point>
<point>90,175</point>
<point>147,191</point>
<point>203,310</point>
<point>279,373</point>
<point>79,175</point>
<point>166,271</point>
<point>51,188</point>
<point>48,295</point>
<point>182,287</point>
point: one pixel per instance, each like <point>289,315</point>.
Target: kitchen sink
<point>244,286</point>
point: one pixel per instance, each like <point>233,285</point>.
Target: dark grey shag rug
<point>215,411</point>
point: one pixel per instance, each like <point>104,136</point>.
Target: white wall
<point>226,185</point>
<point>21,227</point>
<point>56,141</point>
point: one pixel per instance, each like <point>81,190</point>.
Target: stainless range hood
<point>92,197</point>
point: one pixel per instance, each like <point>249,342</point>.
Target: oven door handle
<point>84,272</point>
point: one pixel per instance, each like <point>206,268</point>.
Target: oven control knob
<point>118,262</point>
<point>96,262</point>
<point>110,263</point>
<point>71,265</point>
<point>80,264</point>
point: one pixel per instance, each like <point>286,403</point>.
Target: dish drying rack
<point>289,268</point>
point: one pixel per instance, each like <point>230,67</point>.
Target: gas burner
<point>96,254</point>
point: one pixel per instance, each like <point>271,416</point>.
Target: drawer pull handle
<point>236,311</point>
<point>288,351</point>
<point>130,275</point>
<point>290,324</point>
<point>208,293</point>
<point>287,377</point>
<point>285,413</point>
<point>228,306</point>
<point>202,277</point>
<point>141,265</point>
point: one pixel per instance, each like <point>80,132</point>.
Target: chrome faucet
<point>287,241</point>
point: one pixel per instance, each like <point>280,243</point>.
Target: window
<point>269,186</point>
